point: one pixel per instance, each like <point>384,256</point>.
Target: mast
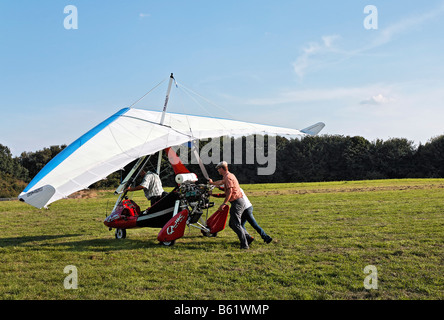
<point>162,119</point>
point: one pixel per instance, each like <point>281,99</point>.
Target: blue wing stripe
<point>65,153</point>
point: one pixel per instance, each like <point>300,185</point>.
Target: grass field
<point>324,235</point>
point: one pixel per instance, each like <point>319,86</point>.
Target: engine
<point>197,197</point>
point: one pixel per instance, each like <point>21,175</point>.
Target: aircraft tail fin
<point>314,129</point>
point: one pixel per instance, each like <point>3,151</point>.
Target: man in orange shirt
<point>233,194</point>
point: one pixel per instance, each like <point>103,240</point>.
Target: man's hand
<point>135,188</point>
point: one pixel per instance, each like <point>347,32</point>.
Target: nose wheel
<point>120,233</point>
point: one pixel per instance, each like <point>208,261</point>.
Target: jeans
<point>236,210</point>
<point>247,215</point>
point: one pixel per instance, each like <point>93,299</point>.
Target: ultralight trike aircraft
<point>183,206</point>
<point>134,134</point>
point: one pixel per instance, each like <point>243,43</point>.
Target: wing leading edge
<point>124,137</point>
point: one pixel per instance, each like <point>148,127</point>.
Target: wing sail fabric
<point>314,129</point>
<point>124,137</point>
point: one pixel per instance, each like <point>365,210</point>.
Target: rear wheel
<point>120,233</point>
<point>168,243</point>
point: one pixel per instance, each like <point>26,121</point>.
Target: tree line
<point>342,158</point>
<point>310,159</point>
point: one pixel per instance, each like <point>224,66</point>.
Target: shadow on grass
<point>74,242</point>
<point>197,243</point>
<point>109,243</point>
<point>17,241</point>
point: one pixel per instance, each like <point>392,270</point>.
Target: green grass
<point>324,234</point>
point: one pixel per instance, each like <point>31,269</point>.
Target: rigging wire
<point>155,87</point>
<point>149,166</point>
<point>148,92</point>
<point>184,90</point>
<point>188,92</point>
<point>207,100</point>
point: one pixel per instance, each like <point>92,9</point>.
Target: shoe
<point>245,248</point>
<point>250,240</point>
<point>268,239</point>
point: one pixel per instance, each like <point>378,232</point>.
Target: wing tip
<point>314,129</point>
<point>38,197</point>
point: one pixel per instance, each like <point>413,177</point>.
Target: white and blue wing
<point>122,138</point>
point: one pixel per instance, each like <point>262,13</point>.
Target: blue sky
<point>287,63</point>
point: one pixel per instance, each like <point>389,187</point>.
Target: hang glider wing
<point>125,136</point>
<point>314,129</point>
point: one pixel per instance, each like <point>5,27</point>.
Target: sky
<point>375,73</point>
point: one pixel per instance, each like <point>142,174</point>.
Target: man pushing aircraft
<point>233,194</point>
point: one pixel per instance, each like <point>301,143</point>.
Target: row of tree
<point>340,158</point>
<point>13,175</point>
<point>318,158</point>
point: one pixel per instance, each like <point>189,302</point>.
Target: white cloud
<point>328,40</point>
<point>351,94</point>
<point>144,15</point>
<point>378,100</point>
<point>386,35</point>
<point>411,110</point>
<point>314,49</point>
<point>316,55</point>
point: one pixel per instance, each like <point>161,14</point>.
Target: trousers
<point>247,215</point>
<point>236,210</point>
